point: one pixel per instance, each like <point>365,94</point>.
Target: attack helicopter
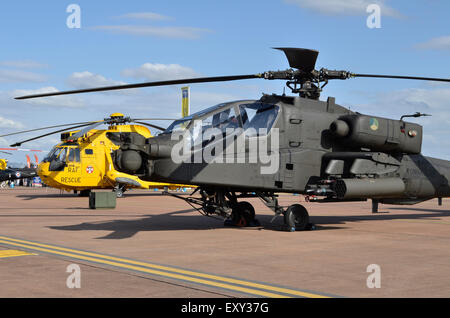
<point>84,160</point>
<point>322,149</point>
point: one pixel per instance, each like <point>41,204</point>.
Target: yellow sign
<point>185,102</point>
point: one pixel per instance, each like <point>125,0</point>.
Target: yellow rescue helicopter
<point>87,159</point>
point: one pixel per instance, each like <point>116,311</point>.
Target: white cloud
<point>3,143</point>
<point>146,16</point>
<point>54,101</point>
<point>343,7</point>
<point>439,43</point>
<point>419,99</point>
<point>9,76</point>
<point>8,123</point>
<point>23,64</point>
<point>166,32</point>
<point>160,72</point>
<point>88,80</point>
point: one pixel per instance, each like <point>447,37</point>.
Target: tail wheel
<point>119,193</point>
<point>296,217</point>
<point>119,190</point>
<point>243,214</point>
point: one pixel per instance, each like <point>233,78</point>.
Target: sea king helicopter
<point>322,149</point>
<point>85,159</point>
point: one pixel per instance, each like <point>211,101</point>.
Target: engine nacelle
<point>378,134</point>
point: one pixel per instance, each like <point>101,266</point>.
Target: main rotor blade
<point>49,134</point>
<point>170,119</point>
<point>43,128</point>
<point>25,150</point>
<point>148,84</point>
<point>84,131</point>
<point>8,153</point>
<point>403,77</point>
<point>150,125</point>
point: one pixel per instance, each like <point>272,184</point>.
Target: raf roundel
<point>374,124</point>
<point>89,169</point>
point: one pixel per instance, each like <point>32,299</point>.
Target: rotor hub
<point>117,118</point>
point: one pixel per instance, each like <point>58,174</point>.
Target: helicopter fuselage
<point>87,163</point>
<point>370,157</point>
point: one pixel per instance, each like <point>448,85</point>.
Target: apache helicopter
<point>85,160</point>
<point>324,150</point>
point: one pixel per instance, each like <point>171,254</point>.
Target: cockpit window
<point>57,154</point>
<point>57,159</point>
<point>258,118</point>
<point>62,155</point>
<point>222,121</point>
<point>178,125</point>
<point>50,155</point>
<point>74,155</point>
<point>226,120</point>
<point>182,124</point>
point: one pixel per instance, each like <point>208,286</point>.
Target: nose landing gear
<point>242,215</point>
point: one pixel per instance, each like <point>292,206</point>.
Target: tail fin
<point>28,161</point>
<point>37,160</point>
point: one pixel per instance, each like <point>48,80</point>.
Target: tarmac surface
<point>158,246</point>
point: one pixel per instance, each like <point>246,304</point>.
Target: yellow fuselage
<point>88,163</point>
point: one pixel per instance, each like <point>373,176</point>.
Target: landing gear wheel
<point>296,217</point>
<point>243,214</point>
<point>119,193</point>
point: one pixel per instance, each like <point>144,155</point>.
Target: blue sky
<point>133,41</point>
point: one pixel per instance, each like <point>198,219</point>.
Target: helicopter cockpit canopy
<point>182,124</point>
<point>60,155</point>
<point>248,115</point>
